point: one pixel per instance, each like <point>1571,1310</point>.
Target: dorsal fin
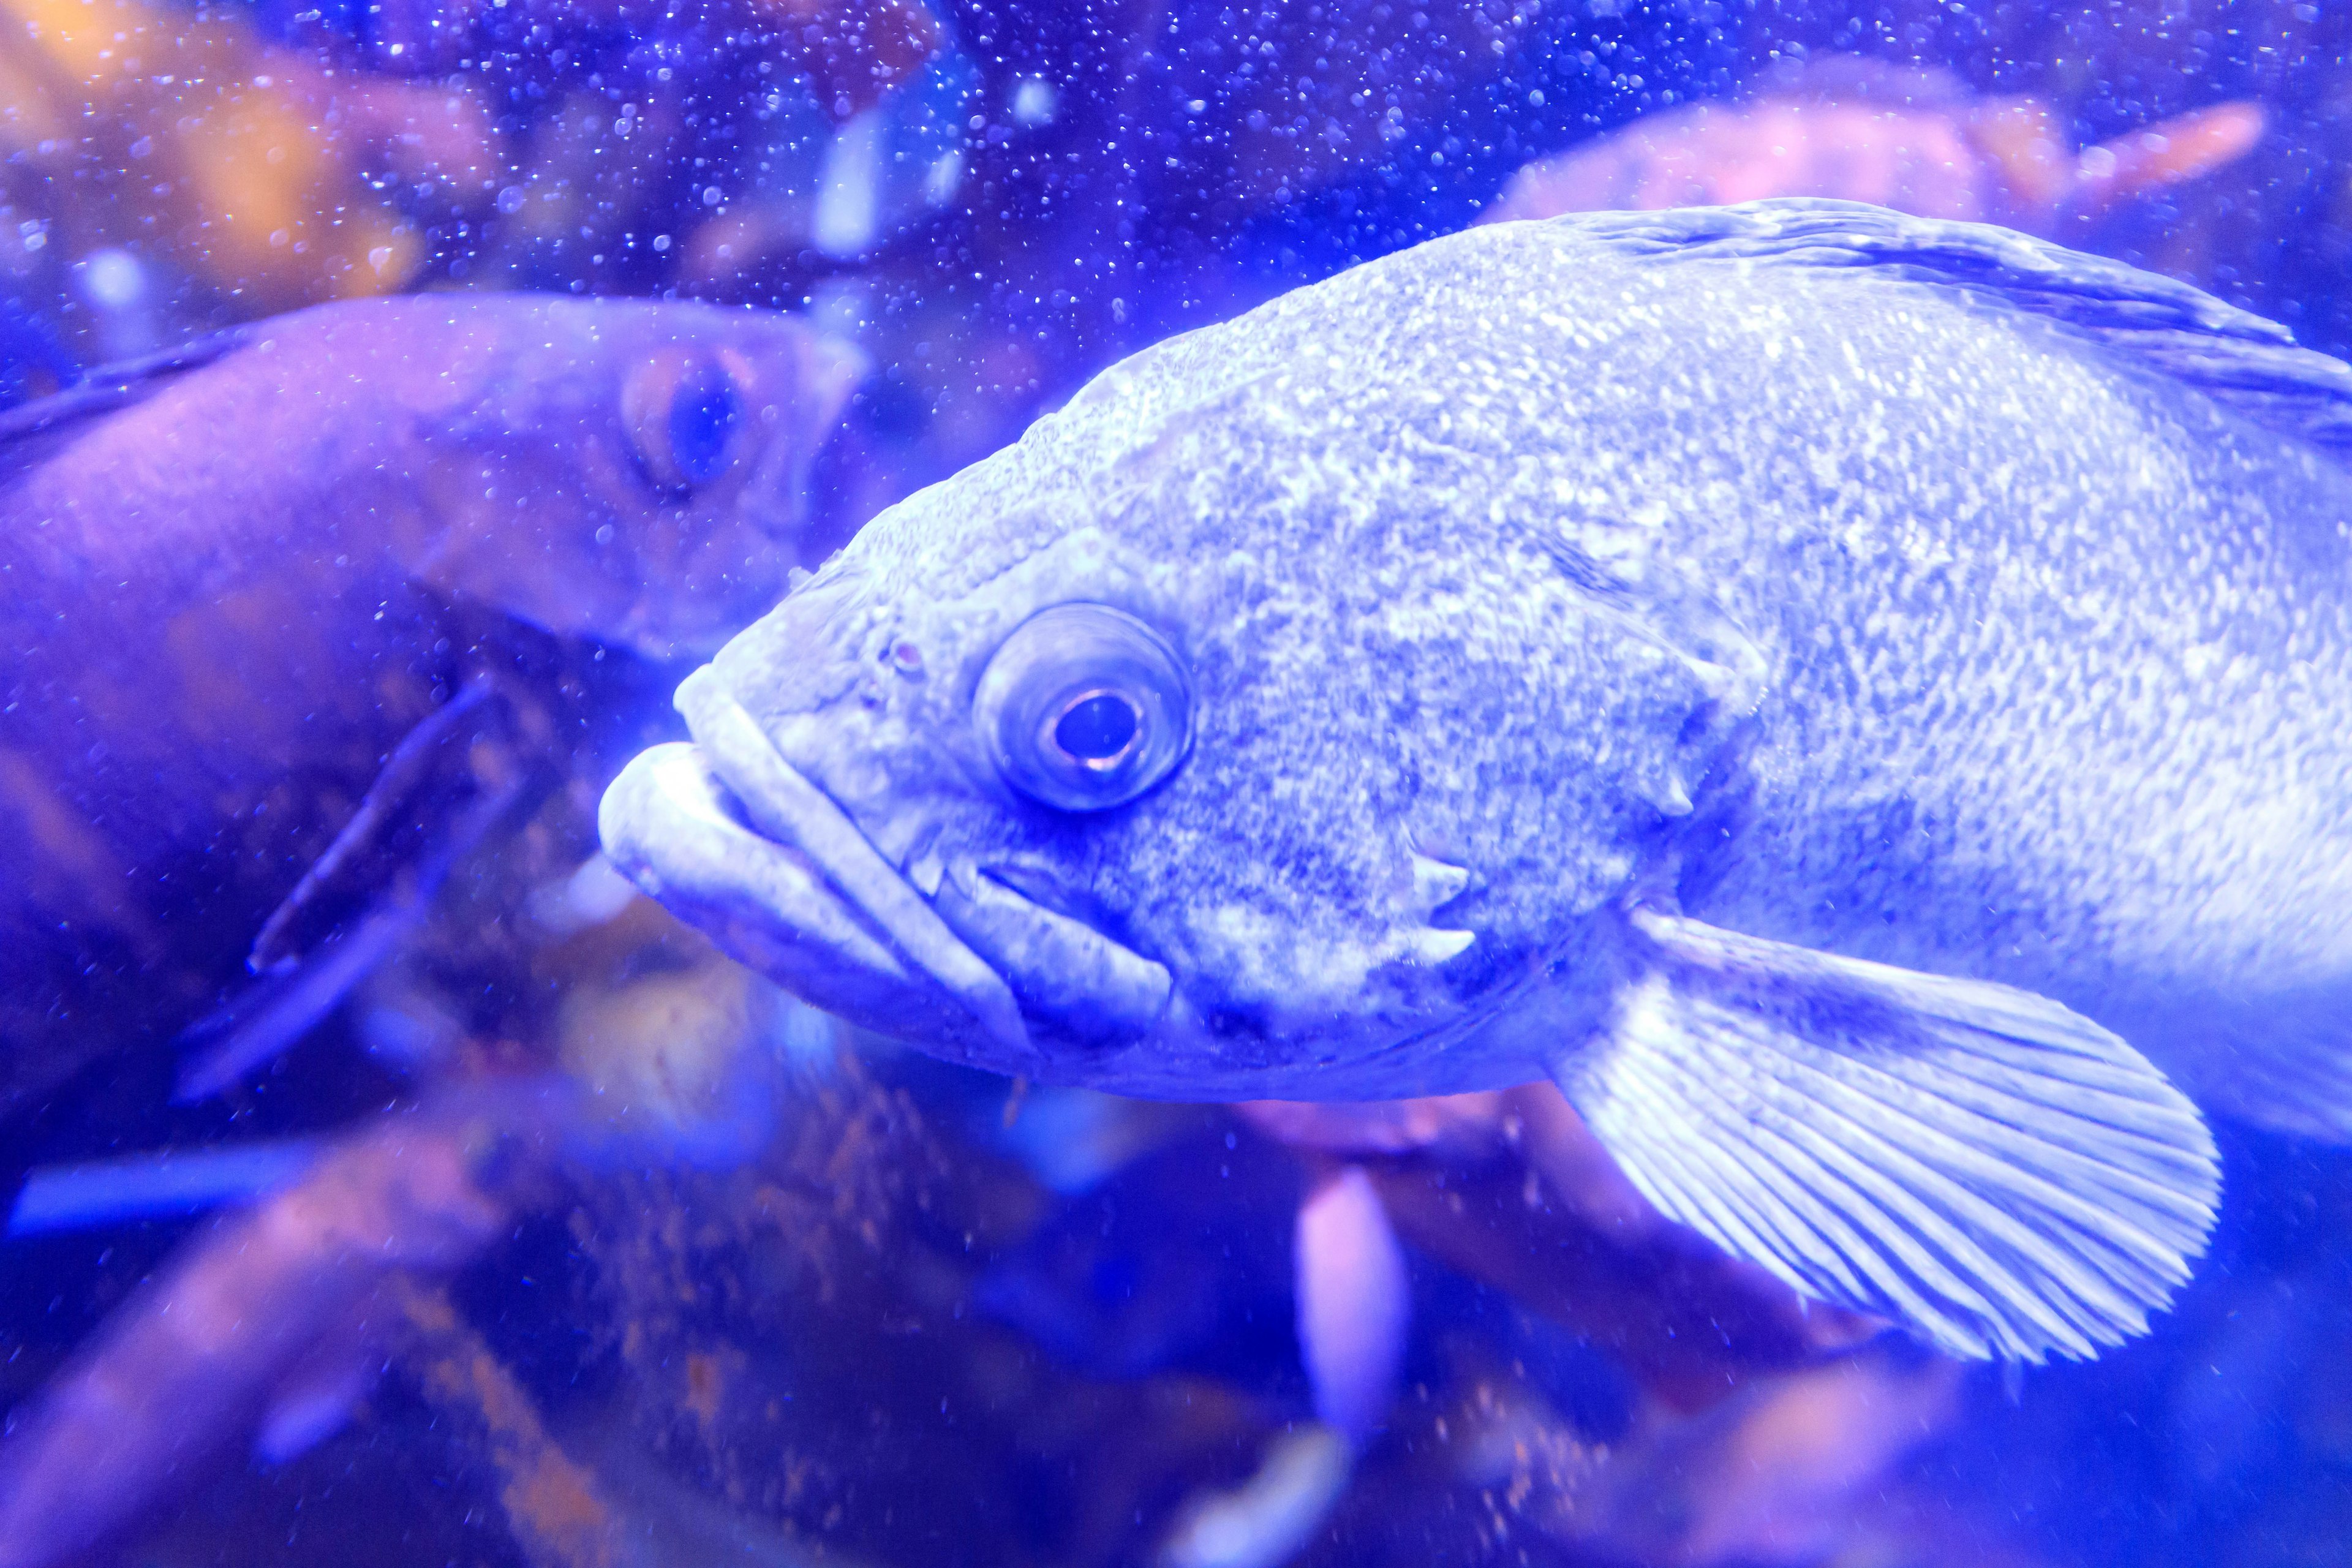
<point>2238,358</point>
<point>31,430</point>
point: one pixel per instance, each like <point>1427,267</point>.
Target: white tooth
<point>1432,945</point>
<point>788,808</point>
<point>1674,795</point>
<point>1434,882</point>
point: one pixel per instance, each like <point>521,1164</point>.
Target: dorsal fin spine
<point>2243,362</point>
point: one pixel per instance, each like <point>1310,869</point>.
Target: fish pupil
<point>1098,730</point>
<point>702,421</point>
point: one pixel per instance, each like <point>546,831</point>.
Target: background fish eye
<point>1084,708</point>
<point>686,414</point>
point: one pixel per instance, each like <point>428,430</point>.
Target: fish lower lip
<point>788,808</point>
<point>667,823</point>
<point>1072,976</point>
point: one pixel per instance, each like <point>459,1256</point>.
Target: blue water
<point>630,1259</point>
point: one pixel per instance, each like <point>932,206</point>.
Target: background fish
<point>230,681</point>
<point>1815,683</point>
<point>1912,138</point>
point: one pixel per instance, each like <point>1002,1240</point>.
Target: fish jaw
<point>964,964</point>
<point>1036,991</point>
<point>1123,978</point>
<point>791,811</point>
<point>1088,991</point>
<point>675,829</point>
<point>745,845</point>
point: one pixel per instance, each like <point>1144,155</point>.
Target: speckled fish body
<point>1838,692</point>
<point>232,579</point>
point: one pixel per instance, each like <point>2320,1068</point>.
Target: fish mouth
<point>736,842</point>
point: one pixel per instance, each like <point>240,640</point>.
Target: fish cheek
<point>509,520</point>
<point>613,562</point>
<point>812,651</point>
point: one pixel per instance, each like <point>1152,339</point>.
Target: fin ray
<point>1822,1234</point>
<point>402,774</point>
<point>1826,1170</point>
<point>1787,1227</point>
<point>1940,1246</point>
<point>1970,1166</point>
<point>2117,1181</point>
<point>1996,1172</point>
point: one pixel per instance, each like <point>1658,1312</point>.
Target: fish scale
<point>2092,793</point>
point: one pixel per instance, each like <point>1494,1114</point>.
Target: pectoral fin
<point>1355,1303</point>
<point>286,1003</point>
<point>436,748</point>
<point>1999,1174</point>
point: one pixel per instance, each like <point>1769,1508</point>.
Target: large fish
<point>1832,690</point>
<point>254,595</point>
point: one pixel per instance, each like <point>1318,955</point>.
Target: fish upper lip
<point>784,805</point>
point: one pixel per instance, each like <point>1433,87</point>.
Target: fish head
<point>1135,757</point>
<point>634,471</point>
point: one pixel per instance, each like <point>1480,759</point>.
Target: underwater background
<point>547,1235</point>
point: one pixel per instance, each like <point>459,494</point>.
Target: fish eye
<point>686,414</point>
<point>1098,730</point>
<point>1084,708</point>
